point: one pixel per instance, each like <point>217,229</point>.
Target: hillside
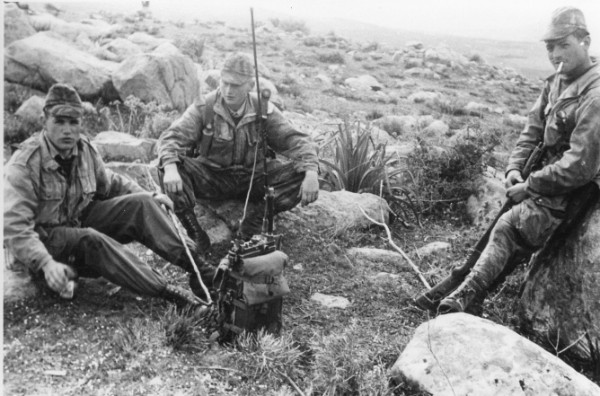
<point>442,119</point>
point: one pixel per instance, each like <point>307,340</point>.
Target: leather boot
<point>195,232</point>
<point>179,296</point>
<point>459,300</point>
<point>207,273</point>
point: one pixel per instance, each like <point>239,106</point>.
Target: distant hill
<point>529,58</point>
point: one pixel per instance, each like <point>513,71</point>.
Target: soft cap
<point>565,21</point>
<point>63,100</point>
<point>238,69</point>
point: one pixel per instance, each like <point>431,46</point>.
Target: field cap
<point>238,69</point>
<point>63,100</point>
<point>565,21</point>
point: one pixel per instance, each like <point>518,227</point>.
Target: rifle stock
<point>431,298</point>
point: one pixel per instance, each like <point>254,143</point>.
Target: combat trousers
<point>202,181</point>
<point>522,230</point>
<point>96,249</point>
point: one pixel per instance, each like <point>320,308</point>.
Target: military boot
<point>195,232</point>
<point>207,274</point>
<point>469,291</point>
<point>179,296</point>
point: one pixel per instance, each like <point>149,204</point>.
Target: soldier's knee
<point>92,239</point>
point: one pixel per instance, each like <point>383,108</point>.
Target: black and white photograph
<point>301,197</point>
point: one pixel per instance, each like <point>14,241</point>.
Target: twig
<point>218,368</point>
<point>391,241</point>
<point>572,344</point>
<point>296,387</point>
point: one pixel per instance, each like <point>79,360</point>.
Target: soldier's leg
<point>199,181</point>
<point>138,217</point>
<point>521,230</point>
<point>286,183</point>
<point>94,254</point>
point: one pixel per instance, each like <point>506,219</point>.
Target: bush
<point>290,25</point>
<point>147,120</point>
<point>358,165</point>
<point>332,57</point>
<point>439,181</point>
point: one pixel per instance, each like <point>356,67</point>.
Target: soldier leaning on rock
<point>66,215</point>
<point>221,130</point>
<point>566,118</point>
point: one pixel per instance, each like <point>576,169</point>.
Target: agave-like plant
<point>360,166</point>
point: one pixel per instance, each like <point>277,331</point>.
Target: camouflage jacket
<point>234,145</point>
<point>569,126</point>
<point>38,197</point>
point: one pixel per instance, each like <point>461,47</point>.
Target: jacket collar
<point>582,83</point>
<point>220,108</point>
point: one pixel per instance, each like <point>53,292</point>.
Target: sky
<point>513,20</point>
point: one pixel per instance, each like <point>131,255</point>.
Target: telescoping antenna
<point>263,103</point>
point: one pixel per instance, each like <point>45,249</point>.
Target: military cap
<point>63,100</point>
<point>238,69</point>
<point>565,21</point>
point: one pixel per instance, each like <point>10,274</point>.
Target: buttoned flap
<point>51,196</point>
<point>223,131</point>
<point>560,123</point>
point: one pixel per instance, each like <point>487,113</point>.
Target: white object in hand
<point>68,291</point>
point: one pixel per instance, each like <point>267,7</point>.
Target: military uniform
<point>225,170</point>
<point>566,117</point>
<point>76,212</point>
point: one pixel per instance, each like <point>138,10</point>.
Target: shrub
<point>332,57</point>
<point>141,119</point>
<point>438,180</point>
<point>357,166</point>
<point>291,25</point>
<point>184,329</point>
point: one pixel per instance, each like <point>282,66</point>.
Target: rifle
<point>431,298</point>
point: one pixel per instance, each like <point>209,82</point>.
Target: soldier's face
<point>235,94</point>
<point>63,132</point>
<point>573,53</point>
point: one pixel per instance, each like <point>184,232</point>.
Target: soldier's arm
<point>531,135</point>
<point>110,184</point>
<point>182,135</point>
<point>580,164</point>
<point>21,204</point>
<point>290,142</point>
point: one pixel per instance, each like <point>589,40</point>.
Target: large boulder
<point>119,146</point>
<point>93,28</point>
<point>364,83</point>
<point>45,58</point>
<point>460,354</point>
<point>337,212</point>
<point>31,111</point>
<point>162,76</point>
<point>122,48</point>
<point>16,24</point>
<point>561,297</point>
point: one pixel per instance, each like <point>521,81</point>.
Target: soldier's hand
<point>513,177</point>
<point>58,275</point>
<point>162,199</point>
<point>309,191</point>
<point>518,192</point>
<point>172,180</point>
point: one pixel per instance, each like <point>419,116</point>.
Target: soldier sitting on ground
<point>66,215</point>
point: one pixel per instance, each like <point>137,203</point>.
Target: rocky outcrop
<point>119,146</point>
<point>122,48</point>
<point>165,77</point>
<point>460,354</point>
<point>31,111</point>
<point>561,298</point>
<point>17,25</point>
<point>45,59</point>
<point>93,28</point>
